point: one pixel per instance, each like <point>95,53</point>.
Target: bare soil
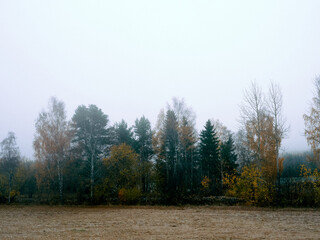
<point>58,222</point>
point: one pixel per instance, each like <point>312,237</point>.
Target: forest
<point>86,160</point>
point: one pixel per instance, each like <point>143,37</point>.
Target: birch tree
<point>252,110</point>
<point>265,128</point>
<point>279,126</point>
<point>52,141</point>
<point>312,124</point>
<point>9,159</point>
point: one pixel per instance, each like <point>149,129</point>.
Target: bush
<point>310,187</point>
<point>250,187</point>
<point>129,196</point>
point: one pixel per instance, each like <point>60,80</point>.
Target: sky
<point>130,58</point>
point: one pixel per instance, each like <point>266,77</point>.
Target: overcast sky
<point>131,57</point>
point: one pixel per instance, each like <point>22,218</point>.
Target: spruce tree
<point>209,153</point>
<point>228,156</point>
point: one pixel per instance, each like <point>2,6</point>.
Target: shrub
<point>249,186</point>
<point>129,196</point>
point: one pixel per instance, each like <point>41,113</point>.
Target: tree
<point>279,127</point>
<point>174,144</point>
<point>91,139</point>
<point>124,134</point>
<point>188,141</point>
<point>244,153</point>
<point>52,141</point>
<point>9,157</point>
<point>253,110</point>
<point>209,152</point>
<point>312,124</point>
<point>123,167</point>
<point>143,139</point>
<point>169,154</point>
<point>228,156</point>
<point>25,179</point>
<point>264,128</point>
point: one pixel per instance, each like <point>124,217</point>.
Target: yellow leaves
<point>14,193</point>
<point>205,182</point>
<point>312,124</point>
<point>249,186</point>
<point>311,177</point>
<point>123,165</point>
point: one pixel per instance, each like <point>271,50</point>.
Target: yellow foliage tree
<point>312,125</point>
<point>312,177</point>
<point>123,172</point>
<point>265,128</point>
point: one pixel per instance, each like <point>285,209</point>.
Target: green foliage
<point>209,153</point>
<point>143,146</point>
<point>228,156</point>
<point>124,134</point>
<point>90,138</point>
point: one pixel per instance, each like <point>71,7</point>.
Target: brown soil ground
<point>44,222</point>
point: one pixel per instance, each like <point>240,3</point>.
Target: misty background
<point>131,57</point>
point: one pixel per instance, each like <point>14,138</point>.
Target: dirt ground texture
<point>138,222</point>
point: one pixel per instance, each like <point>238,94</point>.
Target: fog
<point>131,57</point>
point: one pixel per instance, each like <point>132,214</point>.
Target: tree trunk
<point>221,180</point>
<point>191,170</point>
<point>9,197</point>
<point>60,179</point>
<point>92,177</point>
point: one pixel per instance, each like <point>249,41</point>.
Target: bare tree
<point>52,139</point>
<point>280,128</point>
<point>222,131</point>
<point>252,112</point>
<point>10,157</point>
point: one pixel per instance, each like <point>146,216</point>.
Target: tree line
<point>87,160</point>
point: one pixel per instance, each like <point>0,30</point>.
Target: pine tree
<point>91,139</point>
<point>124,134</point>
<point>143,139</point>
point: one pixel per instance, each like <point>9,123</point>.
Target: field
<point>45,222</point>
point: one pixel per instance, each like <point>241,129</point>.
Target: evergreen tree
<point>209,152</point>
<point>91,140</point>
<point>168,158</point>
<point>228,156</point>
<point>187,151</point>
<point>143,139</point>
<point>124,134</point>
